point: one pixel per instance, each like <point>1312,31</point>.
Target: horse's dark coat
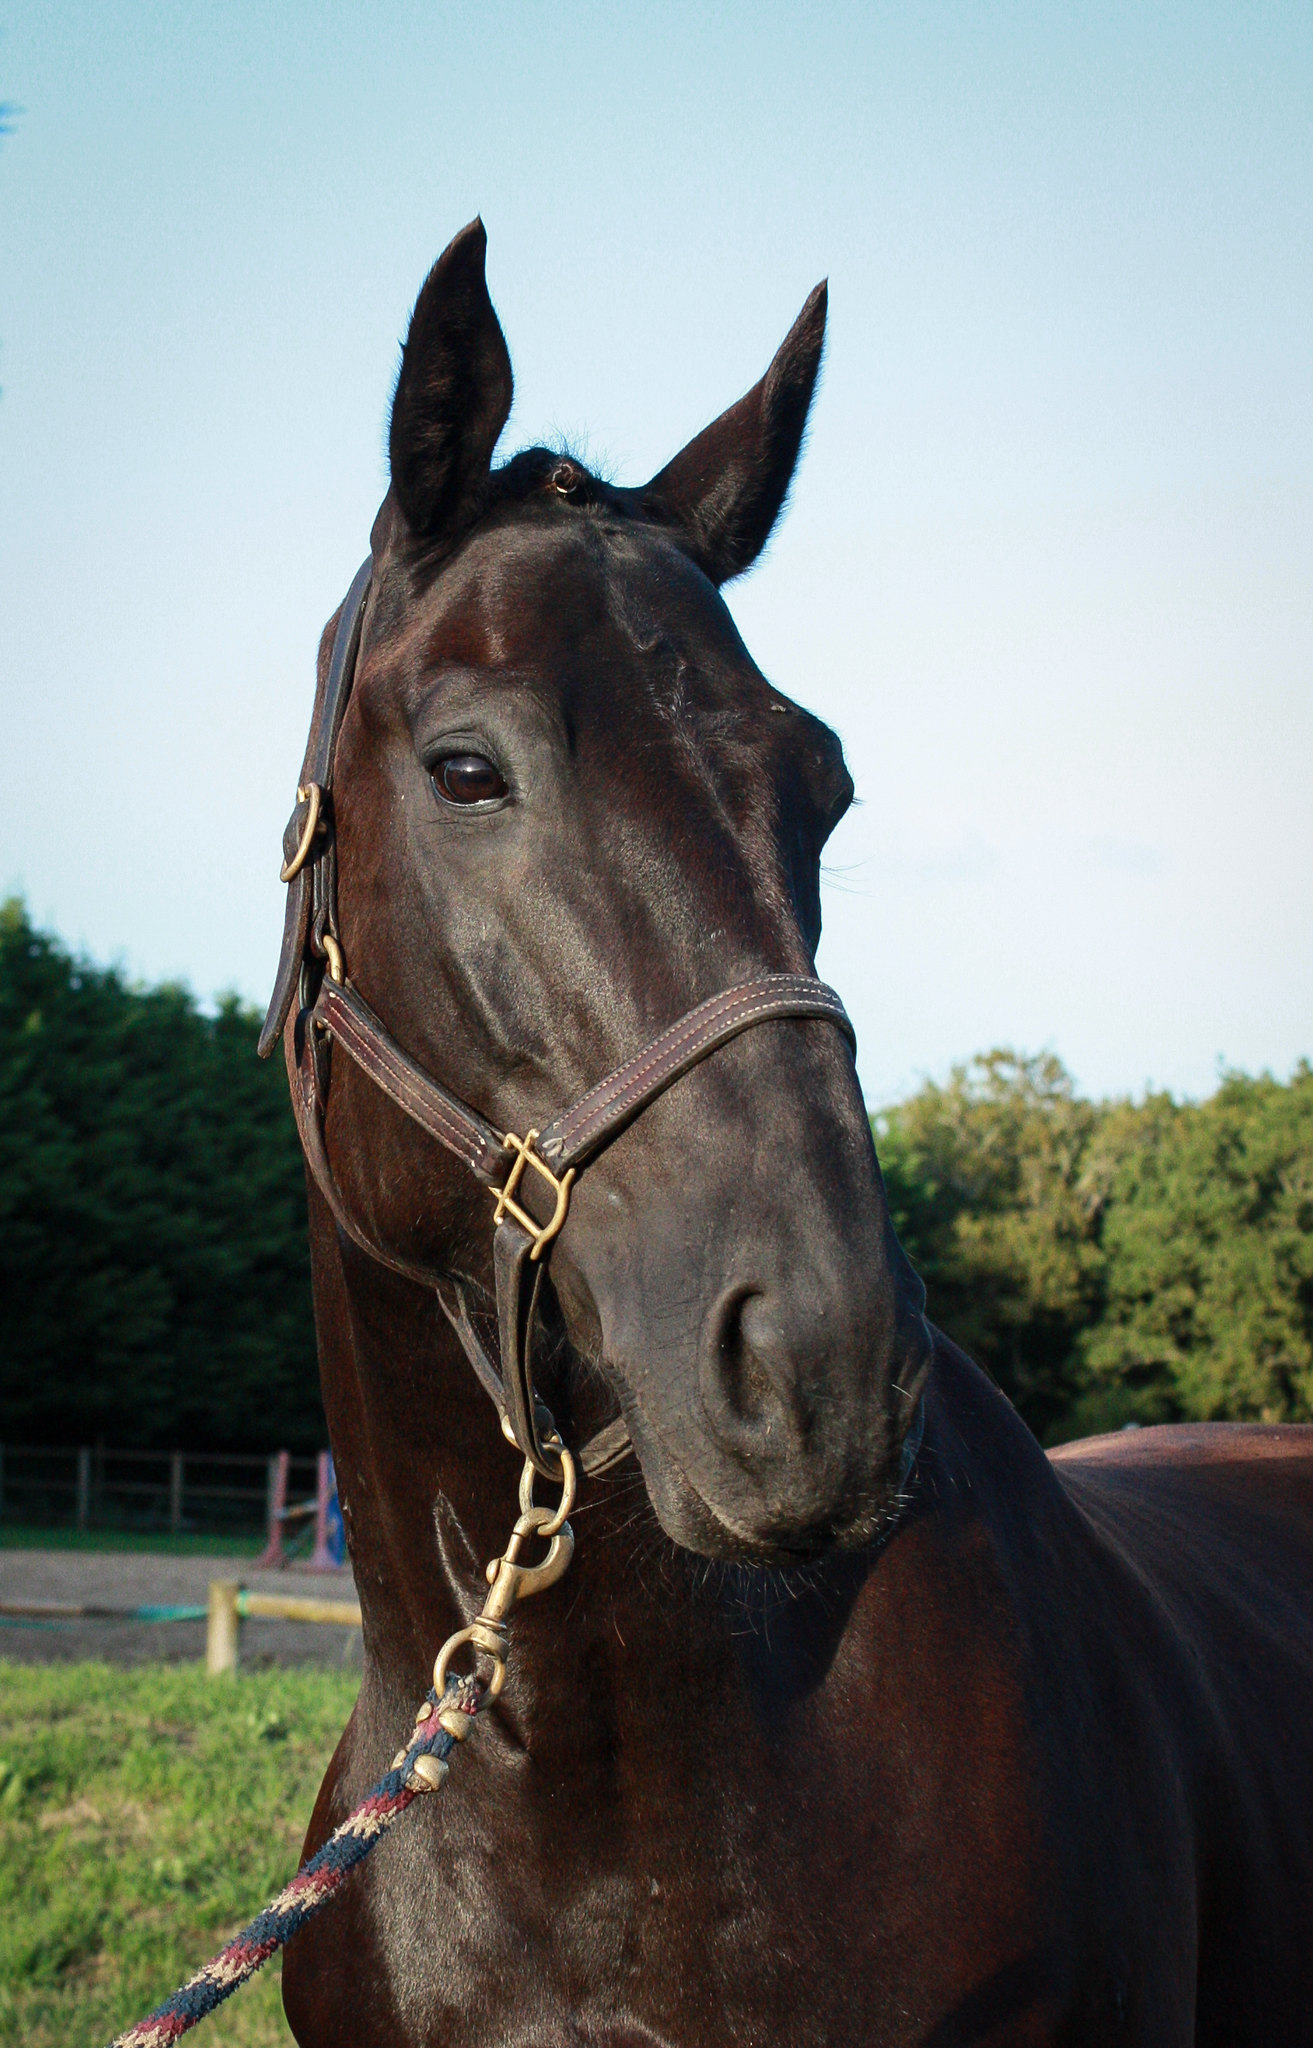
<point>1032,1768</point>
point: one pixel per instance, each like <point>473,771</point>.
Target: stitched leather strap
<point>519,1284</point>
<point>308,1109</point>
<point>578,1134</point>
<point>600,1115</point>
<point>463,1131</point>
<point>320,752</point>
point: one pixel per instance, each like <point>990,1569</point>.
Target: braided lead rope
<point>420,1766</point>
<point>319,1880</point>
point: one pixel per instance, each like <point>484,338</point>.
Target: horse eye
<point>469,779</point>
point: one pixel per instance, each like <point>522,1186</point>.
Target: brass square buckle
<point>541,1233</point>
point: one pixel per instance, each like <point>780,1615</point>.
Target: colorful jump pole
<point>271,1558</point>
<point>327,1555</point>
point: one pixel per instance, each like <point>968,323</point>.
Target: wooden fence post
<point>221,1628</point>
<point>175,1493</point>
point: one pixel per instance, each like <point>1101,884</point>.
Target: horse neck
<point>426,1481</point>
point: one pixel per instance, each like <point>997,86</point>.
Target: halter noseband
<point>522,1174</point>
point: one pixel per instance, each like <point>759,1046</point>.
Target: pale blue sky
<point>1048,563</point>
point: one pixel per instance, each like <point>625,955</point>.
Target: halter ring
<point>308,792</point>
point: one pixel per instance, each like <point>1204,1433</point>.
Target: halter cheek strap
<point>309,846</point>
<point>529,1178</point>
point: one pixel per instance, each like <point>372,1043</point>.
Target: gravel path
<point>134,1579</point>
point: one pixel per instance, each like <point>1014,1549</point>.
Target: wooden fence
<point>95,1487</point>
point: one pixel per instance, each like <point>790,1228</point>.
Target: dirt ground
<point>133,1579</point>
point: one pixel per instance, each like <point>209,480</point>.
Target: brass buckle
<point>541,1233</point>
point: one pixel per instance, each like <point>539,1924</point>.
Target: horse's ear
<point>722,494</point>
<point>453,391</point>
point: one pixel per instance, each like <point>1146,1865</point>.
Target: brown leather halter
<point>524,1175</point>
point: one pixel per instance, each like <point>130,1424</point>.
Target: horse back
<point>1212,1528</point>
<point>1217,1519</point>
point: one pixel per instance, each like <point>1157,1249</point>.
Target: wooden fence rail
<point>231,1604</point>
<point>99,1487</point>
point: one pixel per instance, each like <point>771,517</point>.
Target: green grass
<point>145,1815</point>
<point>30,1536</point>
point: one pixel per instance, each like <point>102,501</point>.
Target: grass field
<point>145,1815</point>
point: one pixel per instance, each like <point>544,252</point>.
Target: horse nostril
<point>745,1388</point>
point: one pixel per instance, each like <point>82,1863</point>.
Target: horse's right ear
<point>453,392</point>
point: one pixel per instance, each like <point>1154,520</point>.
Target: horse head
<point>569,807</point>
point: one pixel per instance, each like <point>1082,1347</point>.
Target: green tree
<point>1207,1234</point>
<point>153,1265</point>
<point>1114,1262</point>
<point>989,1197</point>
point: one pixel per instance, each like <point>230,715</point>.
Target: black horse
<point>857,1719</point>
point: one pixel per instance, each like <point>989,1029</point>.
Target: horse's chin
<point>721,1530</point>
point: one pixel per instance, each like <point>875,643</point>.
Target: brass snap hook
<point>510,1581</point>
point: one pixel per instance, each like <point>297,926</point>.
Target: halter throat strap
<point>530,1178</point>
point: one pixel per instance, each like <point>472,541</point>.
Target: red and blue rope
<point>312,1887</point>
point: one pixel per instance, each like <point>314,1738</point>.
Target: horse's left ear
<point>722,494</point>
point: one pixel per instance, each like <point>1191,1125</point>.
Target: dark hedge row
<point>154,1278</point>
